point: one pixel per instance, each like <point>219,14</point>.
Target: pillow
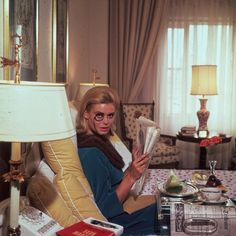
<point>44,196</point>
<point>61,155</point>
<point>70,180</point>
<point>45,170</point>
<point>73,112</point>
<point>75,197</point>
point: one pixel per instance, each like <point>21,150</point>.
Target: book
<point>92,226</point>
<point>117,229</point>
<point>84,229</point>
<point>147,135</point>
<point>188,127</point>
<point>188,134</point>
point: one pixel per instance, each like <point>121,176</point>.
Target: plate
<point>188,190</point>
<point>223,199</point>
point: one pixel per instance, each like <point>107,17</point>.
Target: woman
<point>102,164</point>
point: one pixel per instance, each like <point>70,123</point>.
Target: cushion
<point>70,180</point>
<point>44,196</point>
<point>76,198</point>
<point>45,170</point>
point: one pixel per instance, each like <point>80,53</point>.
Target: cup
<point>211,193</point>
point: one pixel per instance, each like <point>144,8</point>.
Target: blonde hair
<point>96,95</point>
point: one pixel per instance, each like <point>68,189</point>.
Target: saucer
<point>223,199</point>
<point>200,182</point>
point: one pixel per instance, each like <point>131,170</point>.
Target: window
<point>197,41</point>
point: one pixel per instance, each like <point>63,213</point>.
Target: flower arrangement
<point>210,141</point>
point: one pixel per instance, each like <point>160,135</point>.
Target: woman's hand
<point>132,174</point>
<point>138,164</point>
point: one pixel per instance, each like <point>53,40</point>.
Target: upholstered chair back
<point>165,154</point>
<point>129,113</point>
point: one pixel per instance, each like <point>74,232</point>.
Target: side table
<point>203,150</point>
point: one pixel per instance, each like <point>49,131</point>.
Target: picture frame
<point>23,20</point>
<point>60,41</point>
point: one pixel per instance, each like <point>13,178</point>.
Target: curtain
<point>134,29</point>
<point>198,32</point>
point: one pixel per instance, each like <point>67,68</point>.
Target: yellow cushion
<point>61,155</point>
<point>70,180</point>
<point>76,197</point>
<point>43,196</point>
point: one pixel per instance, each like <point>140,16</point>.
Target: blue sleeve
<point>103,178</point>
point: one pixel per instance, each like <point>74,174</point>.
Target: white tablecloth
<point>156,176</point>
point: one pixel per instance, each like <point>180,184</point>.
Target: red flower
<point>210,141</point>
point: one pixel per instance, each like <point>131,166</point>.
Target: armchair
<point>165,154</point>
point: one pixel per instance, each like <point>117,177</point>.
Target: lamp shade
<point>34,112</point>
<point>204,80</point>
<point>84,87</point>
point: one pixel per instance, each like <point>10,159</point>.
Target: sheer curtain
<point>198,32</point>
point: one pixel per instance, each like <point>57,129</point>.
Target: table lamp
<point>203,83</point>
<point>84,87</point>
<point>30,112</point>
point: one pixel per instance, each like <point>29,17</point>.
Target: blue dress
<point>104,178</point>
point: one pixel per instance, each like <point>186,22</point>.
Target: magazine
<point>147,135</point>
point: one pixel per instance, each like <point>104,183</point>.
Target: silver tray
<point>188,190</point>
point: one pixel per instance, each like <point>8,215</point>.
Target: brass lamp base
<point>203,115</point>
<point>13,231</point>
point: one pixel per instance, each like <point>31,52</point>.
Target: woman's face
<point>100,118</point>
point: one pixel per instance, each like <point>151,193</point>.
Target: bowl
<point>211,193</point>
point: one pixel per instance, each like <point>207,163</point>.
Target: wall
<point>88,42</point>
<point>44,42</point>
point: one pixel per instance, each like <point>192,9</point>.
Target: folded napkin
<point>173,183</point>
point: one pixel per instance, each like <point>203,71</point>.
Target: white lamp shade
<point>34,112</point>
<point>84,87</point>
<point>204,80</point>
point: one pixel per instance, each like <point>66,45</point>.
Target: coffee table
<point>154,177</point>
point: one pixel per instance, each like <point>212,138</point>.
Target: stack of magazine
<point>148,133</point>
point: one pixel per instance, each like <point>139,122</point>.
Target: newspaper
<point>223,218</point>
<point>147,135</point>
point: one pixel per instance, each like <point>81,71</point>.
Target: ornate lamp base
<point>13,232</point>
<point>203,115</point>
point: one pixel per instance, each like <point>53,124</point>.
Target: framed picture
<point>23,18</point>
<point>60,32</point>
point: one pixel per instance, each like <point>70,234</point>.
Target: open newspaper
<point>148,133</point>
<point>217,219</point>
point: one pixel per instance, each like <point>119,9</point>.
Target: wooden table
<point>203,150</point>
